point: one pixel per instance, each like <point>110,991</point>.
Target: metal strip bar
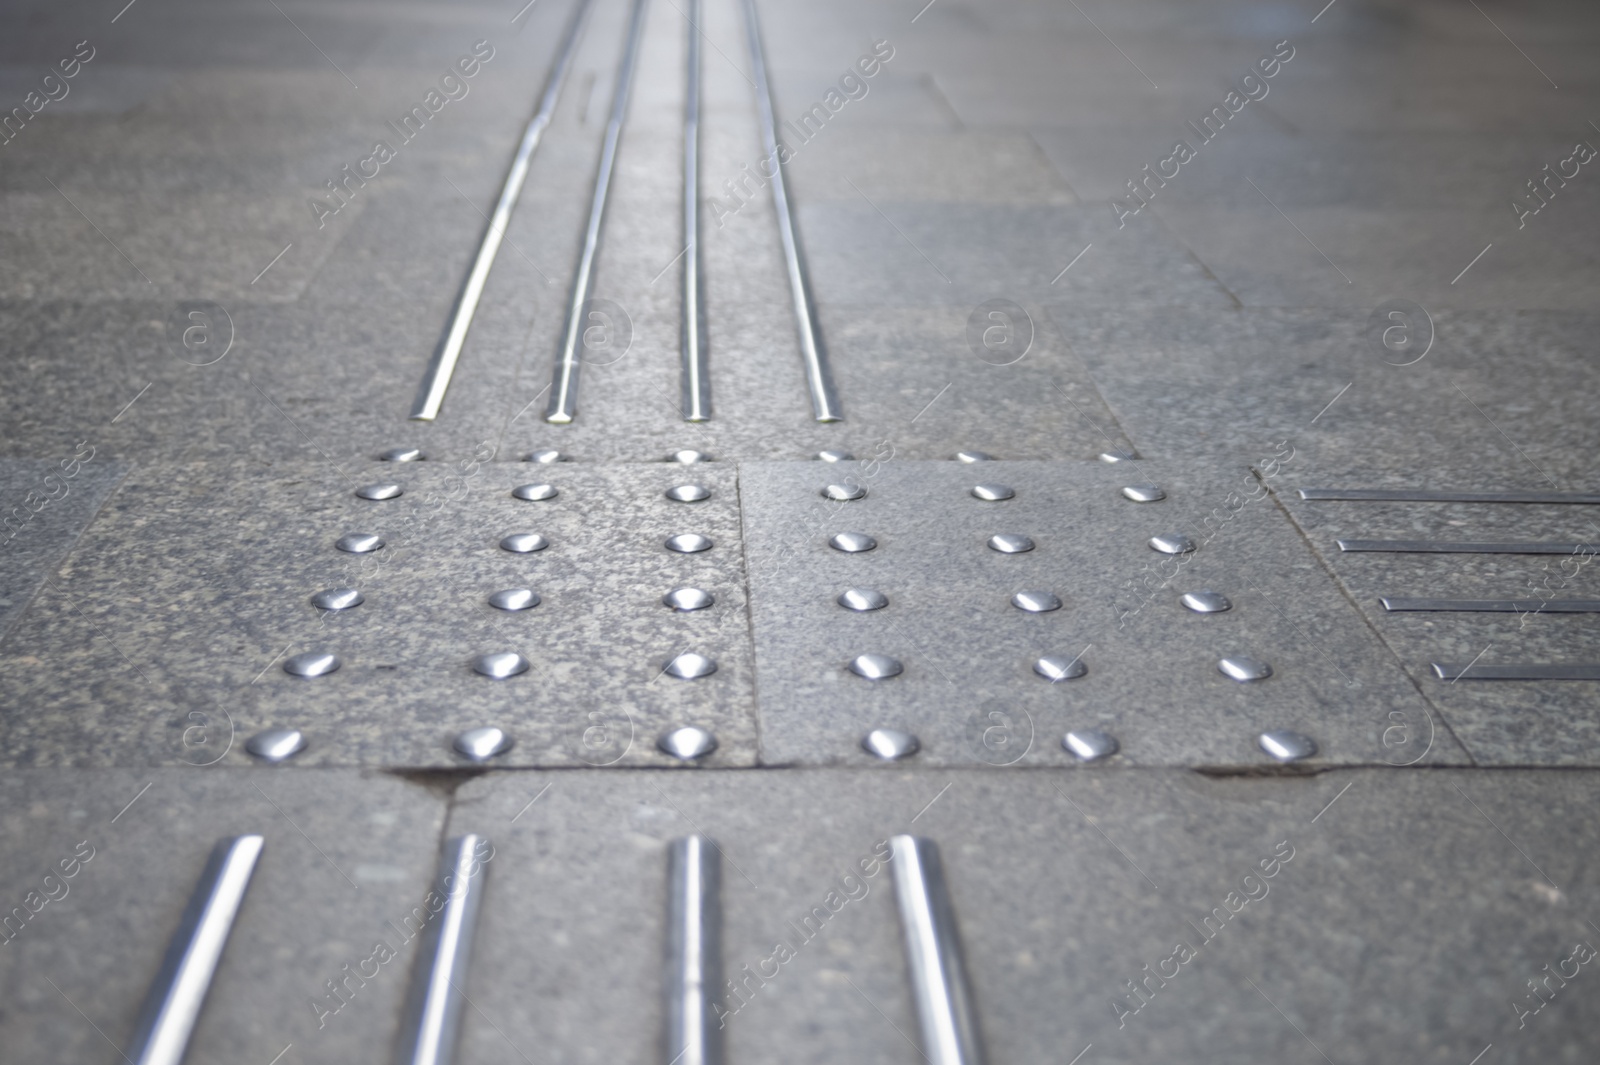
<point>1450,547</point>
<point>696,383</point>
<point>694,952</point>
<point>1496,606</point>
<point>564,385</point>
<point>1408,495</point>
<point>1524,672</point>
<point>933,954</point>
<point>433,1009</point>
<point>824,402</point>
<point>173,1003</point>
<point>443,365</point>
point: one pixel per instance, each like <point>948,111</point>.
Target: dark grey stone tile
<point>195,585</point>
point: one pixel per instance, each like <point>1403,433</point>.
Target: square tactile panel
<point>1501,722</point>
<point>969,687</point>
<point>181,607</point>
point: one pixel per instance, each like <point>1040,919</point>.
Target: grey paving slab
<point>1399,922</point>
<point>923,254</point>
<point>345,855</point>
<point>1314,169</point>
<point>1349,257</point>
<point>900,165</point>
<point>1501,723</point>
<point>968,689</point>
<point>48,505</point>
<point>1494,387</point>
<point>166,611</point>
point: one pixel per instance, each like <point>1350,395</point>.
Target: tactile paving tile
<point>345,854</point>
<point>968,689</point>
<point>1501,722</point>
<point>181,605</point>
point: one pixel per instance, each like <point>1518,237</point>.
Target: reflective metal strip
<point>824,402</point>
<point>1409,495</point>
<point>694,952</point>
<point>933,954</point>
<point>445,356</point>
<point>696,384</point>
<point>433,1008</point>
<point>1497,606</point>
<point>564,386</point>
<point>179,989</point>
<point>1450,547</point>
<point>1524,672</point>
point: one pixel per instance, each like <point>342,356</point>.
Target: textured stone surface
<point>1201,334</point>
<point>181,606</point>
<point>43,518</point>
<point>969,690</point>
<point>1500,723</point>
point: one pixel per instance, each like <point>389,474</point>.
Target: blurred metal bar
<point>696,383</point>
<point>1523,672</point>
<point>1496,606</point>
<point>933,955</point>
<point>1453,547</point>
<point>433,1010</point>
<point>824,402</point>
<point>445,356</point>
<point>1408,495</point>
<point>694,952</point>
<point>564,386</point>
<point>179,990</point>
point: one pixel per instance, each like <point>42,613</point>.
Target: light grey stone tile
<point>968,689</point>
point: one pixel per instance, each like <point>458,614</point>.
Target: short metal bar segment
<point>696,383</point>
<point>1447,671</point>
<point>443,366</point>
<point>1450,547</point>
<point>824,401</point>
<point>1408,495</point>
<point>1495,606</point>
<point>945,1010</point>
<point>694,952</point>
<point>433,1009</point>
<point>563,406</point>
<point>179,991</point>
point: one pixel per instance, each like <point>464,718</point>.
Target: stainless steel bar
<point>1408,495</point>
<point>1455,547</point>
<point>443,365</point>
<point>564,385</point>
<point>173,1003</point>
<point>819,379</point>
<point>939,986</point>
<point>695,382</point>
<point>433,1008</point>
<point>1496,606</point>
<point>1524,672</point>
<point>694,952</point>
